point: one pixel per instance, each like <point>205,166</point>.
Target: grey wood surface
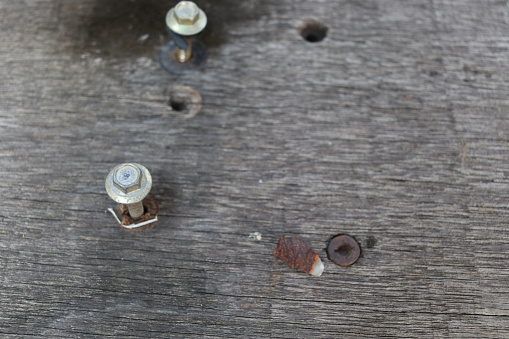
<point>393,129</point>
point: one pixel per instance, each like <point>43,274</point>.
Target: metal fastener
<point>186,19</point>
<point>343,250</point>
<point>129,184</point>
<point>184,53</point>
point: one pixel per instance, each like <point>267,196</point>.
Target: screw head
<point>127,178</point>
<point>128,183</point>
<point>186,19</point>
<point>343,250</point>
<point>186,13</point>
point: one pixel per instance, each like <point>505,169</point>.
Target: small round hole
<point>313,31</point>
<point>184,100</point>
<point>178,105</point>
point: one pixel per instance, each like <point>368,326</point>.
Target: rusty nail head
<point>343,250</point>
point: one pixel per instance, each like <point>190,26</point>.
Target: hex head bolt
<point>184,21</point>
<point>129,184</point>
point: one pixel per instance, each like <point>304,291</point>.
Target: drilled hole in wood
<point>186,100</point>
<point>178,105</point>
<point>313,31</point>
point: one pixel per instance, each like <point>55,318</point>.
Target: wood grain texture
<point>393,129</point>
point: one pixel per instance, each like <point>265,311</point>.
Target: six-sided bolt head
<point>127,178</point>
<point>186,13</point>
<point>128,183</point>
<point>186,19</point>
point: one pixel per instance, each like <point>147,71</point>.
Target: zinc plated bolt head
<point>186,18</point>
<point>186,13</point>
<point>128,183</point>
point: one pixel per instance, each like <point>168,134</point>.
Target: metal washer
<point>129,198</point>
<point>186,30</point>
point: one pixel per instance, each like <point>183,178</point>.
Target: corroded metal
<point>299,254</point>
<point>151,211</point>
<point>135,210</point>
<point>343,250</point>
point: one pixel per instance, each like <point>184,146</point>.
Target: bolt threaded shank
<point>136,210</point>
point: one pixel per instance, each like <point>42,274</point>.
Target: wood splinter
<point>299,255</point>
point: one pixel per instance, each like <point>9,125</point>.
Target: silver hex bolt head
<point>128,183</point>
<point>186,18</point>
<point>127,178</point>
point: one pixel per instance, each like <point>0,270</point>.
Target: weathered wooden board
<point>393,129</point>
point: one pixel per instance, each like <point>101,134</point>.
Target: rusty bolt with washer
<point>129,184</point>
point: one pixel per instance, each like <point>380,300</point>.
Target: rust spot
<point>151,211</point>
<point>299,254</point>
